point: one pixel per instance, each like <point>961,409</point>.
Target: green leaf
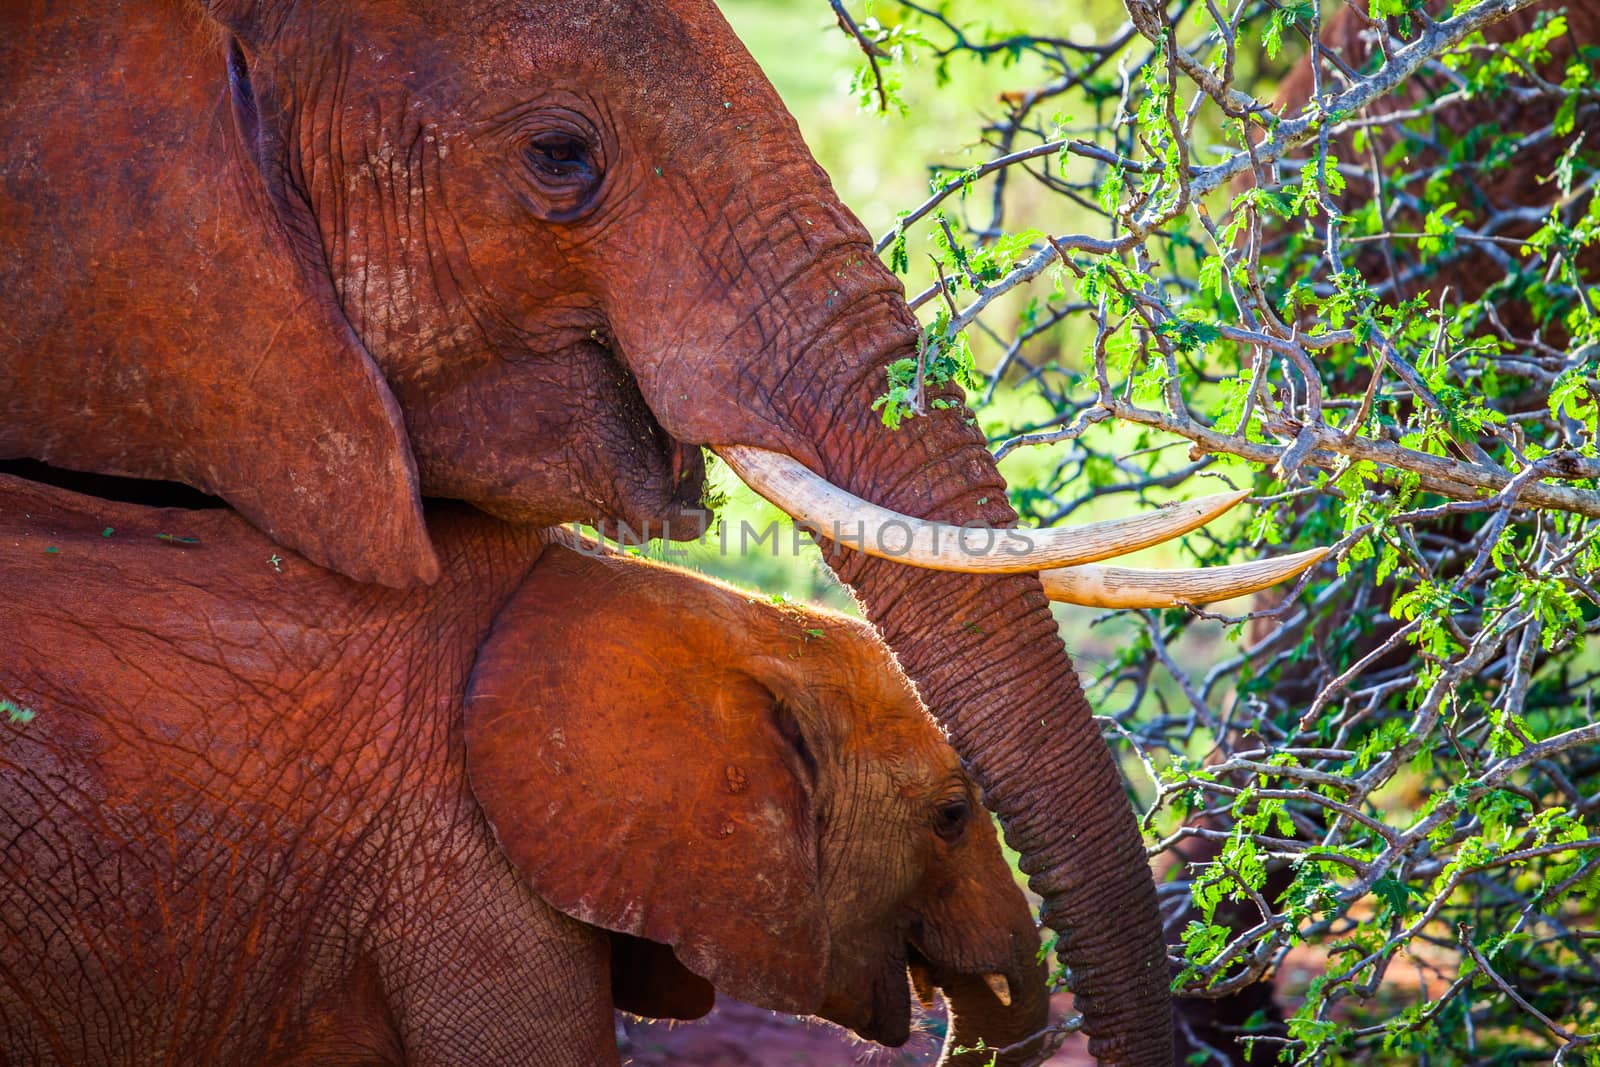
<point>15,713</point>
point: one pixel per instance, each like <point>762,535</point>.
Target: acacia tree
<point>1370,294</point>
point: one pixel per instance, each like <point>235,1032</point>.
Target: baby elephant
<point>265,815</point>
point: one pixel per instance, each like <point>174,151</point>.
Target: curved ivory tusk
<point>999,987</point>
<point>843,517</point>
<point>1127,587</point>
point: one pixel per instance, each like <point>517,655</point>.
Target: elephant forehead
<point>864,672</point>
<point>667,45</point>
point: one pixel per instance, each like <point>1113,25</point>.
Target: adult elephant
<point>268,815</point>
<point>321,259</point>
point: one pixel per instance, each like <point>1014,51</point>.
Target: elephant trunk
<point>981,1024</point>
<point>986,657</point>
<point>984,653</point>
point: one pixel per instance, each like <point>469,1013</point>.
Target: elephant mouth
<point>660,494</point>
<point>888,1016</point>
<point>928,977</point>
<point>617,470</point>
<point>919,969</point>
<point>888,1019</point>
<point>670,504</point>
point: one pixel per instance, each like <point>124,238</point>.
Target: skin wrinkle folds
<point>304,867</point>
<point>432,301</point>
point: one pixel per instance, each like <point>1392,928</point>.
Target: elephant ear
<point>640,782</point>
<point>283,412</point>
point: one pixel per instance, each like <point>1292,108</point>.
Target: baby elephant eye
<point>950,819</point>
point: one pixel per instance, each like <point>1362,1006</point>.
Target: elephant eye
<point>561,157</point>
<point>950,819</point>
<point>788,725</point>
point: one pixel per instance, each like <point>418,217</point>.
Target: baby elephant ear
<point>640,781</point>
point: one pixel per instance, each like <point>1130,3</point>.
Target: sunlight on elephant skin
<point>321,260</point>
<point>266,814</point>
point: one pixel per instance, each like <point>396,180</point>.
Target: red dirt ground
<point>738,1035</point>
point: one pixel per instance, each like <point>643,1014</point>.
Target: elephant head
<point>754,786</point>
<point>322,259</point>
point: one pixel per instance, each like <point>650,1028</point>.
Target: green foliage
<point>942,359</point>
<point>1395,767</point>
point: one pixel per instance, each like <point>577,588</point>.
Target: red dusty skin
<point>799,374</point>
<point>411,288</point>
<point>265,814</point>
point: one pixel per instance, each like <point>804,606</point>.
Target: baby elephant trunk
<point>1001,1012</point>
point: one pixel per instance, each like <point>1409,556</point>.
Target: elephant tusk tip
<point>1121,587</point>
<point>1232,496</point>
<point>999,987</point>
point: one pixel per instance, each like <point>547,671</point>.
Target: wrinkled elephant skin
<point>267,815</point>
<point>323,259</point>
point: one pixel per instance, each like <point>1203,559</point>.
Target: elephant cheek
<point>877,1010</point>
<point>562,438</point>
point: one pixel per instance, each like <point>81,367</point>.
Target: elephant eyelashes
<point>565,169</point>
<point>564,166</point>
<point>559,157</point>
<point>950,819</point>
